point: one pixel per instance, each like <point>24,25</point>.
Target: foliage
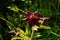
<point>14,26</point>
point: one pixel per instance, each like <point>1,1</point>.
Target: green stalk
<point>27,29</point>
<point>21,10</point>
<point>1,37</point>
<point>32,33</point>
<point>54,33</point>
<point>8,22</point>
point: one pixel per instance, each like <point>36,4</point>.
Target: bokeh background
<point>10,16</point>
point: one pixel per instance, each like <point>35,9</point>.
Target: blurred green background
<point>11,17</point>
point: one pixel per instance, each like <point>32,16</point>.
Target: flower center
<point>33,20</point>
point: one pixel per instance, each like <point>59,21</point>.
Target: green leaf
<point>14,38</point>
<point>22,32</point>
<point>13,7</point>
<point>26,29</point>
<point>1,37</point>
<point>55,34</point>
<point>8,23</point>
<point>36,27</point>
<point>41,21</point>
<point>59,1</point>
<point>44,27</point>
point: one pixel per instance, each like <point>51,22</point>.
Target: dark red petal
<point>31,23</point>
<point>37,18</point>
<point>28,13</point>
<point>37,23</point>
<point>36,14</point>
<point>32,18</point>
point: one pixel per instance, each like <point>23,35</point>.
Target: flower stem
<point>21,10</point>
<point>32,33</point>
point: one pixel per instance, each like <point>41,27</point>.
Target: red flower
<point>33,18</point>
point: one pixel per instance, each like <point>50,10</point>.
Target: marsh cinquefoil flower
<point>33,18</point>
